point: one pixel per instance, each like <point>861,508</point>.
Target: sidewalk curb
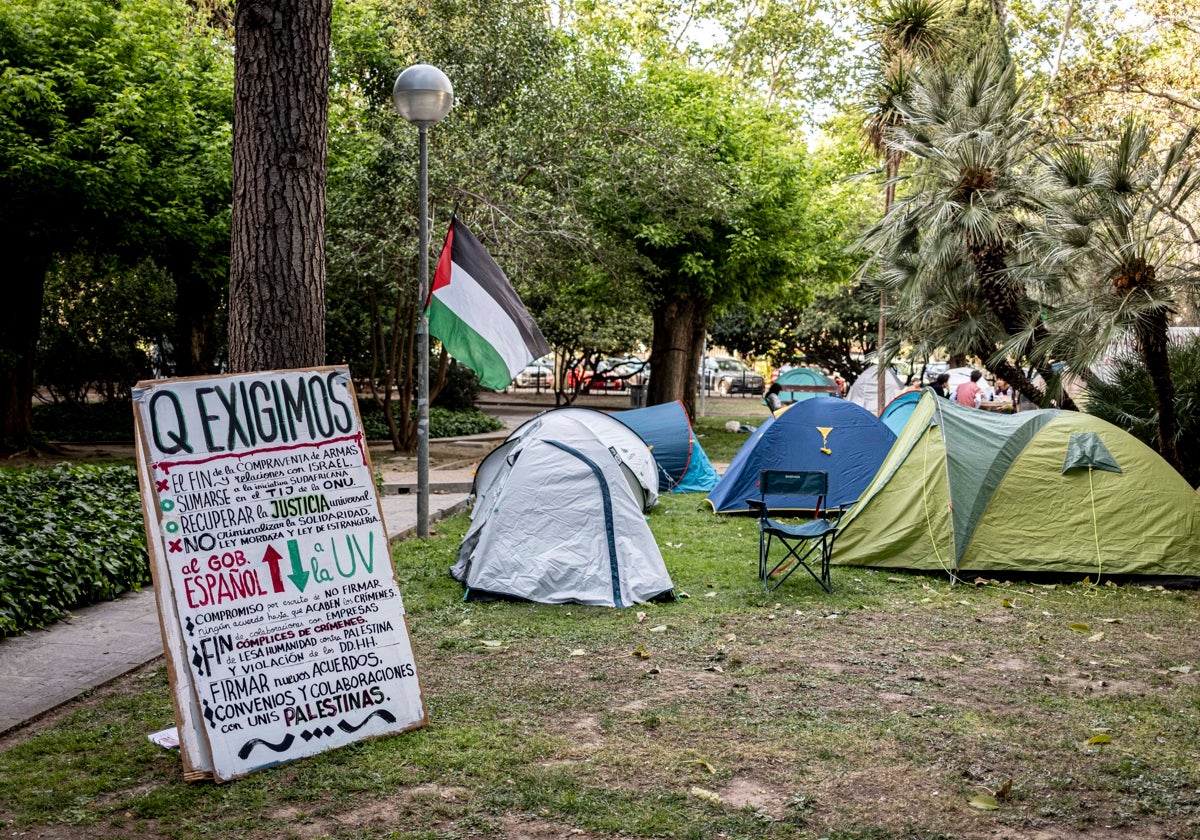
<point>434,516</point>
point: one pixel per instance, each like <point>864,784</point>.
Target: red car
<point>608,376</point>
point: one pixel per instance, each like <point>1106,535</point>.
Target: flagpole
<point>423,337</point>
<point>423,96</point>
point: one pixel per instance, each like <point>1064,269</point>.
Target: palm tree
<point>971,136</point>
<point>1116,254</point>
<point>907,33</point>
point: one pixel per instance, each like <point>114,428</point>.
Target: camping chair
<point>804,543</point>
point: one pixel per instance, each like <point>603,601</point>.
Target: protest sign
<point>283,624</point>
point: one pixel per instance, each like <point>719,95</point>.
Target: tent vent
<point>1085,450</point>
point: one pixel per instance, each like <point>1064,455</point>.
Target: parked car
<point>604,378</point>
<point>727,375</point>
<point>537,374</point>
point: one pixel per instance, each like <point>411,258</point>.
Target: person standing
<point>969,393</point>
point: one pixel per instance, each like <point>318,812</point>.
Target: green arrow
<point>298,575</point>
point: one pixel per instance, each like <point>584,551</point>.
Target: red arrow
<point>272,558</point>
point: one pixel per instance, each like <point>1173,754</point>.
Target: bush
<point>458,394</point>
<point>69,536</point>
<point>1127,400</point>
<point>84,422</point>
<point>92,422</point>
<point>442,421</point>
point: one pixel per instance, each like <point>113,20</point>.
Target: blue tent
<point>683,466</point>
<point>803,383</point>
<point>822,433</point>
<point>896,413</point>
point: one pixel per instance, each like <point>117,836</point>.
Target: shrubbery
<point>1126,398</point>
<point>72,422</point>
<point>113,421</point>
<point>442,422</point>
<point>69,536</point>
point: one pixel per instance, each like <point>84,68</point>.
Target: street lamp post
<point>423,96</point>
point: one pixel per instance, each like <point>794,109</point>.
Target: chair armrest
<point>841,510</point>
<point>758,506</point>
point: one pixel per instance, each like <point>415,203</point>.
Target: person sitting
<point>771,398</point>
<point>1004,391</point>
<point>941,385</point>
<point>969,393</point>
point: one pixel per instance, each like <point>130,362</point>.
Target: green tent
<point>968,491</point>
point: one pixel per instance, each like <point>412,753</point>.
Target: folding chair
<point>806,542</point>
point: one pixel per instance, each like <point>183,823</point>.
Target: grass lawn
<point>897,707</point>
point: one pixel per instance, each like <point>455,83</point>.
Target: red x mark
<point>176,545</point>
<point>160,485</point>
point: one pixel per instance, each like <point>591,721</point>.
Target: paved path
<point>41,670</point>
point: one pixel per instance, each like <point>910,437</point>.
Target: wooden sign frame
<point>283,624</point>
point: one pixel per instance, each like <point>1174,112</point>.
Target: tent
<point>559,518</point>
<point>896,413</point>
<point>967,491</point>
<point>571,425</point>
<point>802,383</point>
<point>865,389</point>
<point>823,433</point>
<point>683,465</point>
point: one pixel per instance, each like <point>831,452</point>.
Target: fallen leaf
<point>1181,669</point>
<point>706,795</point>
<point>1112,620</point>
<point>662,628</point>
<point>579,652</point>
<point>640,652</point>
<point>1099,739</point>
<point>491,643</point>
<point>1007,604</point>
<point>703,764</point>
<point>1004,791</point>
<point>1079,627</point>
<point>984,802</point>
<point>710,595</point>
<point>641,617</point>
<point>1095,637</point>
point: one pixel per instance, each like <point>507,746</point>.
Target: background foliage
<point>69,536</point>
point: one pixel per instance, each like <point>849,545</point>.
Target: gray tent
<point>558,518</point>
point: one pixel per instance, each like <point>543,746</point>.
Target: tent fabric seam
<point>609,532</point>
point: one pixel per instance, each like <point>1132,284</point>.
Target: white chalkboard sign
<point>283,624</point>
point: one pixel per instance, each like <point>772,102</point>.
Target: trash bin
<point>637,396</point>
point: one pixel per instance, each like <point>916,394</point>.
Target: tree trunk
<point>1151,331</point>
<point>679,328</point>
<point>20,323</point>
<point>1004,299</point>
<point>280,116</point>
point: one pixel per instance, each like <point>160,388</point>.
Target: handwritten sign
<point>282,621</point>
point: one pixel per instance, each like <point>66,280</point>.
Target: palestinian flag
<point>477,316</point>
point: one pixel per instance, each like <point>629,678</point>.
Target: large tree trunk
<point>680,324</point>
<point>1005,300</point>
<point>280,116</point>
<point>1152,337</point>
<point>20,323</point>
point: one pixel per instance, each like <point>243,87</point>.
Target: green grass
<point>874,712</point>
